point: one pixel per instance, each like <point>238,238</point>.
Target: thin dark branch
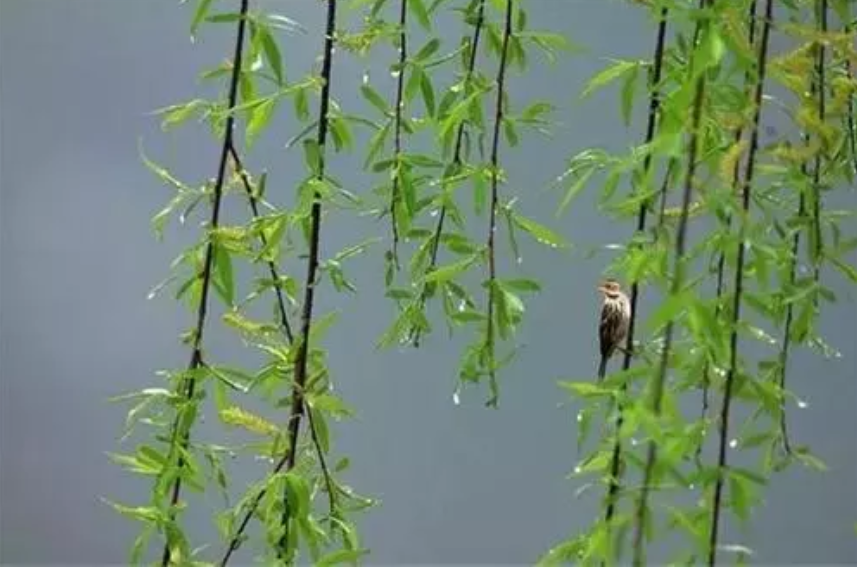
<point>253,202</point>
<point>492,216</point>
<point>397,129</point>
<point>235,541</point>
<point>817,89</point>
<point>721,261</point>
<point>651,124</point>
<point>180,438</point>
<point>739,283</point>
<point>456,158</point>
<point>677,282</point>
<point>821,22</point>
<point>300,368</point>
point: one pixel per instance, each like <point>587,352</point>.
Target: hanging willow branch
<point>300,368</point>
<point>478,24</point>
<point>651,122</point>
<point>492,219</point>
<point>739,284</point>
<point>236,539</point>
<point>397,128</point>
<point>180,433</point>
<point>821,23</point>
<point>721,261</point>
<point>677,282</point>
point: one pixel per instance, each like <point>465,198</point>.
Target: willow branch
<point>677,281</point>
<point>651,123</point>
<point>492,219</point>
<point>300,368</point>
<point>821,22</point>
<point>235,541</point>
<point>739,284</point>
<point>456,158</point>
<point>253,203</point>
<point>721,261</point>
<point>180,438</point>
<point>397,129</point>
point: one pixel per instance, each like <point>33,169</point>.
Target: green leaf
<point>223,279</point>
<point>427,50</point>
<point>587,389</point>
<point>628,90</point>
<point>419,10</point>
<point>608,75</point>
<point>525,285</point>
<point>239,417</point>
<point>312,156</point>
<point>427,91</point>
<point>448,272</point>
<point>330,403</point>
<point>341,557</point>
<point>844,268</point>
<point>199,15</point>
<point>271,50</point>
<point>374,98</point>
<point>260,116</point>
<point>541,233</point>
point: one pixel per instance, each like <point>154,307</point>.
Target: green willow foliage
<point>728,261</point>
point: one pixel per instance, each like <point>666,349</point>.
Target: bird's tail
<point>602,368</point>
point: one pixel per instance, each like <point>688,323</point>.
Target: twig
<point>397,130</point>
<point>739,283</point>
<point>677,281</point>
<point>654,106</point>
<point>253,202</point>
<point>821,20</point>
<point>721,261</point>
<point>492,219</point>
<point>180,438</point>
<point>300,369</point>
<point>235,541</point>
<point>456,159</point>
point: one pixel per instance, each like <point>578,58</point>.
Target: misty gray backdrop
<point>457,484</point>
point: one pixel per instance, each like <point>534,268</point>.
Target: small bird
<point>615,316</point>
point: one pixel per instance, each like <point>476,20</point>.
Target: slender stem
<point>721,261</point>
<point>492,219</point>
<point>397,130</point>
<point>677,282</point>
<point>180,437</point>
<point>739,283</point>
<point>478,24</point>
<point>300,368</point>
<point>651,123</point>
<point>821,22</point>
<point>253,202</point>
<point>235,541</point>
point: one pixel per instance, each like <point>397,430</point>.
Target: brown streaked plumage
<point>613,326</point>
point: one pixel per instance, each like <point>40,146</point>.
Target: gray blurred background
<point>458,484</point>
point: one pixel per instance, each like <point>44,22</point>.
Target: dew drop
<point>455,88</point>
<point>520,260</point>
<point>455,399</point>
<point>802,404</point>
<point>182,219</point>
<point>433,213</point>
<point>395,74</point>
<point>577,469</point>
<point>634,442</point>
<point>579,417</point>
<point>365,78</point>
<point>691,486</point>
<point>733,443</point>
<point>461,306</point>
<point>151,295</point>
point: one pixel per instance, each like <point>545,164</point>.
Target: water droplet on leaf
<point>733,444</point>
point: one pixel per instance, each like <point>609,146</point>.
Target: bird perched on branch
<point>615,316</point>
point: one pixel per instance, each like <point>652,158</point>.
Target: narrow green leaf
<point>419,10</point>
<point>608,75</point>
<point>541,233</point>
<point>199,15</point>
<point>260,116</point>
